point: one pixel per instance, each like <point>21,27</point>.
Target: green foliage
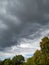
<point>30,61</point>
<point>38,58</point>
<point>1,63</point>
<point>44,44</point>
<point>8,62</point>
<point>41,57</point>
<point>17,60</point>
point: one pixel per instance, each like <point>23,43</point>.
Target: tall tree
<point>44,44</point>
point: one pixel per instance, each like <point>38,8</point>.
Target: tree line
<point>40,57</point>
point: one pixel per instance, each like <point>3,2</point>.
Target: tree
<point>41,57</point>
<point>38,58</point>
<point>18,59</point>
<point>8,62</point>
<point>30,61</point>
<point>44,44</point>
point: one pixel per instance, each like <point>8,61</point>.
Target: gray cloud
<point>29,10</point>
<point>22,19</point>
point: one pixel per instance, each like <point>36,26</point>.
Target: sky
<point>23,23</point>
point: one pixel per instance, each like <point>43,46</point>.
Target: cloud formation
<point>21,24</point>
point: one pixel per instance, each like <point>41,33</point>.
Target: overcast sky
<point>22,25</point>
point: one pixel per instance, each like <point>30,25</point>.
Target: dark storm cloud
<point>22,18</point>
<point>29,10</point>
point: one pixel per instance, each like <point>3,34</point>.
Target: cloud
<point>22,25</point>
